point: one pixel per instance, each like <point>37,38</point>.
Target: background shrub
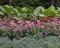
<point>35,3</point>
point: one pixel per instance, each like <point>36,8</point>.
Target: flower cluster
<point>46,25</point>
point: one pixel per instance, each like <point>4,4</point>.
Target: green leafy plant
<point>5,42</point>
<point>39,11</point>
<point>50,11</point>
<point>47,42</point>
<point>28,12</point>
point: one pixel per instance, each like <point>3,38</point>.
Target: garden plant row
<point>30,12</point>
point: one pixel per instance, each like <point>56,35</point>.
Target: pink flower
<point>3,27</point>
<point>27,22</point>
<point>59,22</point>
<point>20,29</point>
<point>38,21</point>
<point>54,23</point>
<point>42,26</point>
<point>55,28</point>
<point>32,23</point>
<point>16,29</point>
<point>30,26</point>
<point>26,26</point>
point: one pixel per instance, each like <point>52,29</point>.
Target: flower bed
<point>13,27</point>
<point>16,33</point>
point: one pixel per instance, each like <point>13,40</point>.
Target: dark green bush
<point>27,42</point>
<point>35,3</point>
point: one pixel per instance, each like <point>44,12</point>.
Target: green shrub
<point>28,42</point>
<point>5,42</point>
<point>48,42</point>
<point>28,12</point>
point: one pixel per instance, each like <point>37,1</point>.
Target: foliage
<point>51,11</point>
<point>39,11</point>
<point>23,3</point>
<point>15,28</point>
<point>27,42</point>
<point>35,3</point>
<point>5,42</point>
<point>30,42</point>
<point>17,11</point>
<point>28,12</point>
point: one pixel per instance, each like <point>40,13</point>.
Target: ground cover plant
<point>28,42</point>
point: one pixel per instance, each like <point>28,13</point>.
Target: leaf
<point>19,9</point>
<point>7,8</point>
<point>15,11</point>
<point>58,11</point>
<point>39,11</point>
<point>2,11</point>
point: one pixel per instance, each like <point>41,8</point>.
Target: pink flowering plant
<point>13,27</point>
